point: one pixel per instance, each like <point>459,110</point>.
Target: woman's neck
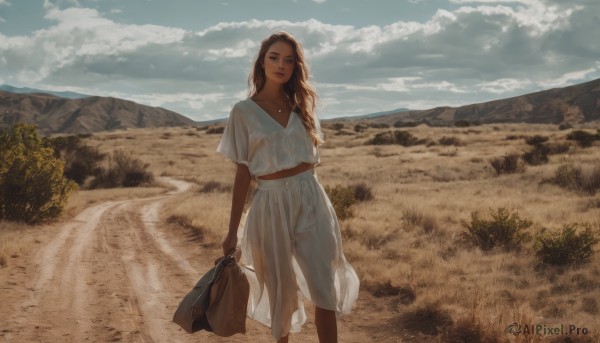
<point>272,91</point>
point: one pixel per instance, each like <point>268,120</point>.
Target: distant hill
<point>54,114</point>
<point>574,104</point>
<point>27,90</point>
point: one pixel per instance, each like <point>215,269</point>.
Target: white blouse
<point>252,137</point>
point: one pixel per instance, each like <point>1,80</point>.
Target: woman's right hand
<point>229,244</point>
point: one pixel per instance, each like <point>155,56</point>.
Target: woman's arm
<point>240,191</point>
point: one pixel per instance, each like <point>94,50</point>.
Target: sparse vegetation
<point>342,199</point>
<point>585,139</point>
<point>508,164</point>
<point>577,178</point>
<point>573,244</point>
<point>455,141</point>
<point>122,171</point>
<point>215,130</point>
<point>503,229</point>
<point>80,160</point>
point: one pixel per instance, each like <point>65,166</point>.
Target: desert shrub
<point>336,126</point>
<point>576,178</point>
<point>462,123</point>
<point>404,138</point>
<point>362,192</point>
<point>401,123</point>
<point>122,171</point>
<point>573,244</point>
<point>214,186</point>
<point>455,141</point>
<point>382,138</point>
<point>583,138</point>
<point>537,156</point>
<point>565,126</point>
<point>412,217</point>
<point>32,185</point>
<point>536,140</point>
<point>400,137</point>
<point>379,125</point>
<point>80,160</point>
<point>359,128</point>
<point>557,148</point>
<point>342,199</point>
<point>508,164</point>
<point>216,130</point>
<point>503,229</point>
<point>470,330</point>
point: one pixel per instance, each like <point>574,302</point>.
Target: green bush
<point>32,185</point>
<point>573,244</point>
<point>342,199</point>
<point>503,229</point>
<point>508,164</point>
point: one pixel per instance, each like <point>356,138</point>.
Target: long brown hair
<point>300,92</point>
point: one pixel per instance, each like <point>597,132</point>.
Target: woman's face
<point>279,62</point>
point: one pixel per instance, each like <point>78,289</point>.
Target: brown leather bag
<point>218,302</point>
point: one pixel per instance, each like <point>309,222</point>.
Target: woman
<point>291,235</point>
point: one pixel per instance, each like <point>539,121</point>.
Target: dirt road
<point>114,274</point>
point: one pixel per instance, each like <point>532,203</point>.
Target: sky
<point>193,57</point>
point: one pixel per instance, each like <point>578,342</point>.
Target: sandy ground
<point>115,274</point>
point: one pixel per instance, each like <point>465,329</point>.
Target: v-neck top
<point>254,138</point>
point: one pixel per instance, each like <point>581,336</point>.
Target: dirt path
<point>114,274</point>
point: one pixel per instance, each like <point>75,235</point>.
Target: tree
<point>32,184</point>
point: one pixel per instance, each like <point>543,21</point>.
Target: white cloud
<point>504,85</point>
<point>319,1</point>
<point>453,58</point>
<point>116,11</point>
<point>4,2</point>
<point>2,20</point>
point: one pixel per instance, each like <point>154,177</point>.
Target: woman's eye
<point>289,61</point>
<point>273,58</point>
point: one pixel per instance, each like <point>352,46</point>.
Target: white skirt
<point>292,240</point>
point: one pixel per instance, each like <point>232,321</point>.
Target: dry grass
<point>14,242</point>
<point>407,237</point>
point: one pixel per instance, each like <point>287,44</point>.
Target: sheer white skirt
<point>292,240</point>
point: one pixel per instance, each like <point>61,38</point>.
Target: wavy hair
<point>301,94</point>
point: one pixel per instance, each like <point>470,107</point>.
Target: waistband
<point>285,181</point>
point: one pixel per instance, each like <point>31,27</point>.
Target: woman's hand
<point>230,243</point>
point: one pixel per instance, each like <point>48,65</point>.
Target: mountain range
<point>574,104</point>
<point>53,114</point>
<point>72,113</point>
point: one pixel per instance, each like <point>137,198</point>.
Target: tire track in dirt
<point>91,274</point>
<point>113,274</point>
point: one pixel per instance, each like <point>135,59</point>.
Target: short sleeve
<point>234,142</point>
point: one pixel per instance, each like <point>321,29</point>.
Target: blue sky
<point>365,56</point>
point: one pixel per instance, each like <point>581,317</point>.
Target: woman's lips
<point>280,74</point>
